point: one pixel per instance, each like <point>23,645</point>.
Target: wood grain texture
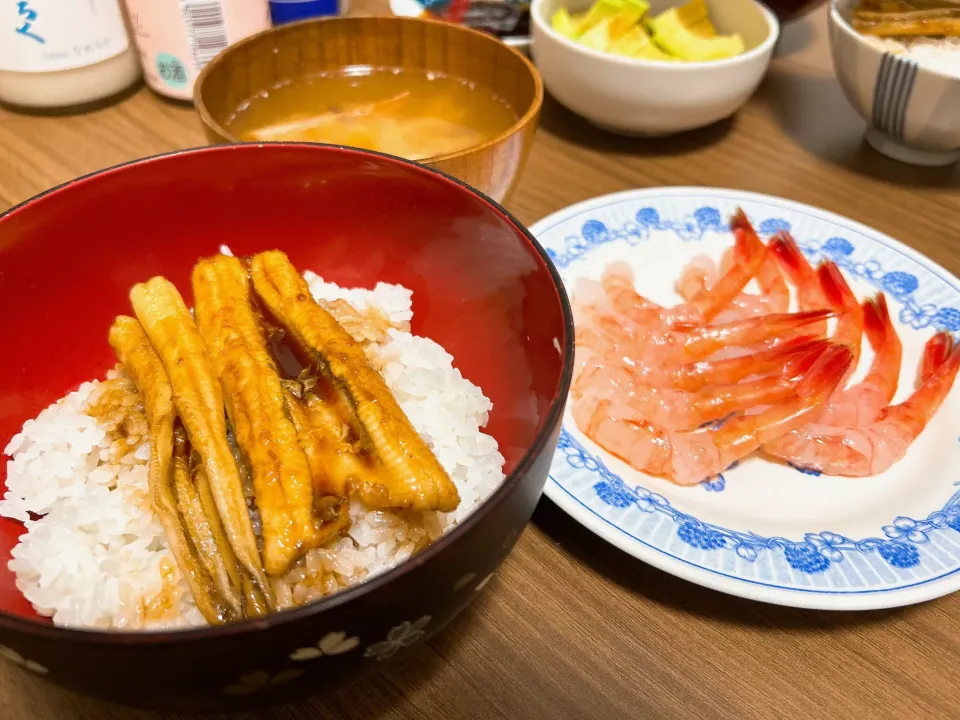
<point>570,627</point>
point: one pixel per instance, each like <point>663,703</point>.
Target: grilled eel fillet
<point>200,516</point>
<point>258,415</point>
<point>216,599</point>
<point>411,476</point>
<point>254,604</point>
<point>199,402</point>
<point>918,18</point>
<point>334,464</point>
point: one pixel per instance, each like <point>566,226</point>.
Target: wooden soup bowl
<point>288,52</point>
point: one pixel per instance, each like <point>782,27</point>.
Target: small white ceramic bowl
<point>913,111</point>
<point>648,97</point>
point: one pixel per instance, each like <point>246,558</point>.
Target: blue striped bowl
<point>912,109</point>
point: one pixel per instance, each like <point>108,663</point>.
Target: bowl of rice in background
<point>908,92</point>
<point>478,355</point>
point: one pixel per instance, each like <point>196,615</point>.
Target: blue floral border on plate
<point>900,285</point>
<point>817,552</point>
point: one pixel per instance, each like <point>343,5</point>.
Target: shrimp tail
<point>791,259</point>
<point>884,373</point>
<point>837,291</point>
<point>802,360</point>
<point>749,253</point>
<point>800,274</point>
<point>715,403</point>
<point>935,353</point>
<point>771,281</point>
<point>840,297</point>
<point>696,375</point>
<point>835,287</point>
<point>876,321</point>
<point>744,434</point>
<point>769,276</point>
<point>703,341</point>
<point>741,226</point>
<point>915,412</point>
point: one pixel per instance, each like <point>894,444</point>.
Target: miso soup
<point>411,113</point>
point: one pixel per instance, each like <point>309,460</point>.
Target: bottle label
<point>52,35</point>
<point>177,38</point>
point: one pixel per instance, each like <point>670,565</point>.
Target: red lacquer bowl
<point>482,287</point>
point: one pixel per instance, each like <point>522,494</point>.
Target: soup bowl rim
<point>522,121</point>
<point>537,446</point>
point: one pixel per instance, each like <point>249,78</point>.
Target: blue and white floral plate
<point>765,531</point>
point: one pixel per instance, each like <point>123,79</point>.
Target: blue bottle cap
<point>286,11</point>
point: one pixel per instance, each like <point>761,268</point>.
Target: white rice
<point>97,556</point>
<point>937,54</point>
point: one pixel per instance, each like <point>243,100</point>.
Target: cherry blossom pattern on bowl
<point>335,643</point>
<point>403,635</point>
<point>399,637</point>
<point>769,532</point>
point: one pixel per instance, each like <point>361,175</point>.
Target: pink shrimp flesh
<point>774,294</point>
<point>749,256</point>
<point>591,366</point>
<point>680,344</point>
<point>616,387</point>
<point>697,276</point>
<point>702,272</point>
<point>686,457</point>
<point>618,282</point>
<point>874,447</point>
<point>697,375</point>
<point>700,275</point>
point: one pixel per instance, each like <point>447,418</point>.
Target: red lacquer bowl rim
<point>536,449</point>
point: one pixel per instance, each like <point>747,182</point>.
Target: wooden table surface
<point>570,627</point>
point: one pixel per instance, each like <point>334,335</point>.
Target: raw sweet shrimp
<point>589,296</point>
<point>935,355</point>
<point>687,458</point>
<point>801,275</point>
<point>823,287</point>
<point>839,296</point>
<point>872,448</point>
<point>696,375</point>
<point>674,409</point>
<point>613,336</point>
<point>774,295</point>
<point>618,283</point>
<point>700,273</point>
<point>701,306</point>
<point>864,402</point>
